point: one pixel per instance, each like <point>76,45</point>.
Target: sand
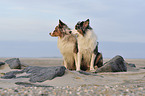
<point>75,79</point>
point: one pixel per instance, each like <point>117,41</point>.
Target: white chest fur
<point>88,41</point>
<point>66,44</point>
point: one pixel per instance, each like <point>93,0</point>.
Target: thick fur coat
<point>67,44</point>
<point>87,42</point>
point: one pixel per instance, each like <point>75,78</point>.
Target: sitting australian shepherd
<point>88,55</point>
<point>67,44</point>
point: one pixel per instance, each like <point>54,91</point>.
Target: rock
<point>37,74</point>
<point>9,76</point>
<point>28,76</point>
<point>132,65</point>
<point>142,67</point>
<point>31,85</point>
<point>2,63</point>
<point>116,64</point>
<point>14,63</point>
<point>33,69</point>
<point>14,72</point>
<point>41,74</point>
<point>23,65</point>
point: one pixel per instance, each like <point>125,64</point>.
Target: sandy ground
<point>73,78</point>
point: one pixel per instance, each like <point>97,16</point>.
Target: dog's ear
<point>61,23</point>
<point>86,23</point>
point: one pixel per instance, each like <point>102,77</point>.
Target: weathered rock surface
<point>131,65</point>
<point>26,84</point>
<point>9,76</point>
<point>24,65</point>
<point>37,74</point>
<point>116,64</point>
<point>14,63</point>
<point>40,74</point>
<point>142,67</point>
<point>2,63</point>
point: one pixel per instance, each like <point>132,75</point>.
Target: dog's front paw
<point>91,69</point>
<point>78,69</point>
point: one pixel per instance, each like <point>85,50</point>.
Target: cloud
<point>120,21</point>
<point>17,8</point>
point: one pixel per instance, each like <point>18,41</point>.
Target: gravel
<point>84,90</point>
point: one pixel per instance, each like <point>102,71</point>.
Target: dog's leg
<point>76,62</point>
<point>79,62</point>
<point>92,61</point>
<point>65,64</point>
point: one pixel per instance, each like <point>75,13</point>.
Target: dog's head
<point>82,27</point>
<point>61,30</point>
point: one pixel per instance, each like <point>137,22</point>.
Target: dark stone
<point>16,90</point>
<point>31,85</point>
<point>116,64</point>
<point>14,63</point>
<point>38,74</point>
<point>23,65</point>
<point>28,76</point>
<point>131,65</point>
<point>142,67</point>
<point>33,69</point>
<point>9,76</point>
<point>41,74</point>
<point>14,72</point>
<point>2,63</point>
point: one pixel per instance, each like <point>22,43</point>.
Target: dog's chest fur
<point>66,44</point>
<point>87,42</point>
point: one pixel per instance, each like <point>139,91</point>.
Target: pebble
<point>90,90</point>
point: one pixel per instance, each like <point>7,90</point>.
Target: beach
<point>72,83</point>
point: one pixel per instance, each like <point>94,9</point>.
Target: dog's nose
<point>49,33</point>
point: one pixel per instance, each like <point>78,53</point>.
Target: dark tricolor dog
<point>88,55</point>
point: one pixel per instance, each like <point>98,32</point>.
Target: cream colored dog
<point>67,45</point>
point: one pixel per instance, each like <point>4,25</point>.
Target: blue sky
<point>30,21</point>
